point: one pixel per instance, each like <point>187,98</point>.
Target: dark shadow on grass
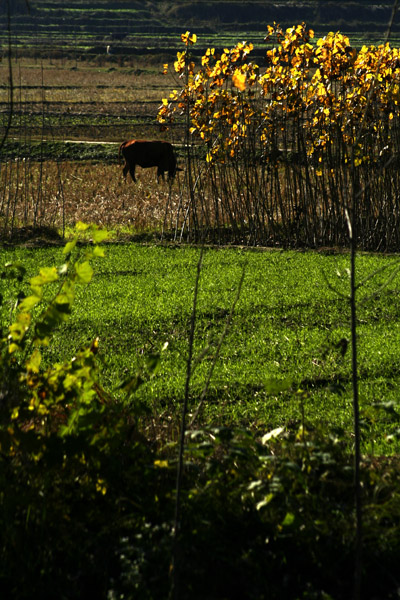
<point>34,236</point>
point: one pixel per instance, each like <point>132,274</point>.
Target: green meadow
<point>273,353</point>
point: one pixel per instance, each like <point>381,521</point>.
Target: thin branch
<point>356,409</point>
<point>384,285</point>
<point>352,224</point>
<point>216,355</point>
<point>174,591</point>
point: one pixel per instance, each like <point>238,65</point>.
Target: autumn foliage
<point>293,147</point>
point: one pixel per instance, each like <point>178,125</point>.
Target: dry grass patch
<point>60,194</point>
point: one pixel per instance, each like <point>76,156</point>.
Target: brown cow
<point>148,154</point>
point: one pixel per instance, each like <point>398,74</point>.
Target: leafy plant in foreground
<point>68,454</point>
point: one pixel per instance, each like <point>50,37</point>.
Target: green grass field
<point>284,350</point>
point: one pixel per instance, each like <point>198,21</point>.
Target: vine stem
<point>356,404</point>
<point>175,567</point>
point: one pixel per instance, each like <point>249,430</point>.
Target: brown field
<point>85,81</point>
<point>85,89</point>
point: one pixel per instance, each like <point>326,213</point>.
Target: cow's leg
<point>160,173</point>
<point>132,172</point>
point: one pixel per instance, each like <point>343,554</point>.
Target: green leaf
<point>64,308</point>
<point>100,235</point>
<point>152,362</point>
<point>84,271</point>
<point>98,252</point>
<point>131,385</point>
<point>17,330</point>
<point>34,361</point>
<point>67,293</point>
<point>55,314</point>
<point>161,464</point>
<point>49,274</point>
<point>37,290</point>
<point>46,275</point>
<point>29,302</point>
<point>288,520</point>
<point>69,246</point>
<point>44,329</point>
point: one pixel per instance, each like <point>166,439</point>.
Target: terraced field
<point>92,70</point>
<point>82,29</point>
<point>70,101</point>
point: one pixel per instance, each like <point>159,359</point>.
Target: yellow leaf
<point>81,226</point>
<point>161,464</point>
<point>239,80</point>
<point>101,486</point>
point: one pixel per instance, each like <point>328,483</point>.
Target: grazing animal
<point>148,154</point>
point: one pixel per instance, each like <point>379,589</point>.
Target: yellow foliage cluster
<point>336,95</point>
